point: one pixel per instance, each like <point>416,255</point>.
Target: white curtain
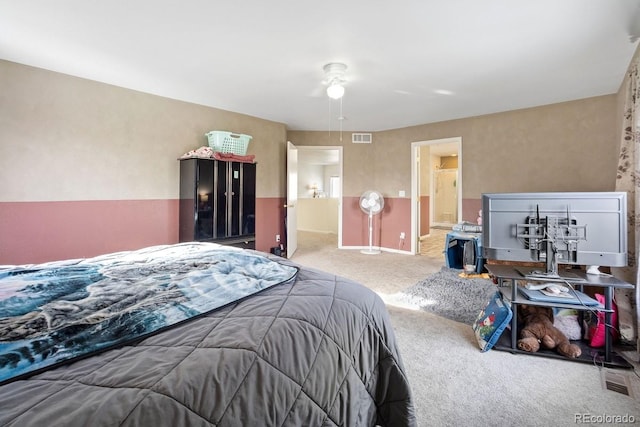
<point>628,179</point>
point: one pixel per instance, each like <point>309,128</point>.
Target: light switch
<point>401,193</point>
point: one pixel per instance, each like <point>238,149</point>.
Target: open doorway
<point>319,193</point>
<point>436,196</point>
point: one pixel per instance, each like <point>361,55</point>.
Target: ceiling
<point>409,62</point>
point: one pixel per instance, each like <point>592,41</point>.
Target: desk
<point>512,273</point>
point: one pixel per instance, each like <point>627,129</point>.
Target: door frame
<point>339,149</point>
<point>416,166</point>
<point>291,208</point>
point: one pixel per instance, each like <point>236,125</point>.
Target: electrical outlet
<point>402,235</point>
<point>277,237</point>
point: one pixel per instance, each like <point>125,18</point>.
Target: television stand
<point>510,273</point>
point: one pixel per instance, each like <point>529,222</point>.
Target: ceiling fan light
<point>335,91</point>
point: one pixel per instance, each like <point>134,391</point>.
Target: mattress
<point>316,349</point>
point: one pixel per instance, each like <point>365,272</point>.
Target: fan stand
<point>370,251</point>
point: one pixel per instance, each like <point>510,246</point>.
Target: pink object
<point>205,152</point>
<point>230,157</point>
<point>597,332</point>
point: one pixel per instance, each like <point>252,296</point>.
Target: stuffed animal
<point>538,331</point>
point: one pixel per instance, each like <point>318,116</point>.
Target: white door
<point>292,199</point>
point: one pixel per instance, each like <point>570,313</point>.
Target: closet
<point>217,202</point>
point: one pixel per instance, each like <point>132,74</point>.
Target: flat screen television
<point>582,228</point>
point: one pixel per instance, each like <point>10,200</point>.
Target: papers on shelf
<point>556,294</point>
<point>575,297</point>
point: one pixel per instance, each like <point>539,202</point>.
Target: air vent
<point>361,138</point>
<point>615,381</point>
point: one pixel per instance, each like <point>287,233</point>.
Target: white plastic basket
<point>228,142</point>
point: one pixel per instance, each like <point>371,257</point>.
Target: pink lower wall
<point>270,215</point>
<point>387,226</point>
<point>35,232</point>
<point>394,219</point>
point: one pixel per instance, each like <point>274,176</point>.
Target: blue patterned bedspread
<point>56,312</point>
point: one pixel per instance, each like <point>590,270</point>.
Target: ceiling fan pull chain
<point>340,119</point>
<point>330,118</point>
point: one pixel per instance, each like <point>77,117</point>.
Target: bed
<point>195,334</point>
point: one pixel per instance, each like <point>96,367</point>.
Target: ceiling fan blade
<point>318,92</point>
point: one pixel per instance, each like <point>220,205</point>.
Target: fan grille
<point>371,202</point>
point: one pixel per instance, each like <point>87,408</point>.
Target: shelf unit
<point>508,274</point>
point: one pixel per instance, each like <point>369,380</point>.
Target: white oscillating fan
<point>371,203</point>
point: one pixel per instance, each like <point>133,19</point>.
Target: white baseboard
<point>317,231</point>
<point>359,248</point>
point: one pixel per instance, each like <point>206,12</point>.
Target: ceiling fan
<point>332,84</point>
<point>334,78</point>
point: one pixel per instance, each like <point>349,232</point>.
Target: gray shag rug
<point>447,294</point>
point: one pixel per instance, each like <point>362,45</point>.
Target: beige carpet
<point>433,244</point>
<point>454,384</point>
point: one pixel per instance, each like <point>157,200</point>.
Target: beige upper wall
<point>561,147</point>
<point>67,138</point>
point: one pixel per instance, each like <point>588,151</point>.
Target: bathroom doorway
<point>436,190</point>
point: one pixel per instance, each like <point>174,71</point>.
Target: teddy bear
<point>538,331</point>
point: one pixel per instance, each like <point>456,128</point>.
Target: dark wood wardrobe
<point>217,202</point>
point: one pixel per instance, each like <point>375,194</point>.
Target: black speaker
<point>276,250</point>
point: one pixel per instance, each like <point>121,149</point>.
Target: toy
<point>538,331</point>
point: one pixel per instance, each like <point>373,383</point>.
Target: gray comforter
<point>319,351</point>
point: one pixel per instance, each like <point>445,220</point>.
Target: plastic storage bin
<point>454,249</point>
<point>228,142</point>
